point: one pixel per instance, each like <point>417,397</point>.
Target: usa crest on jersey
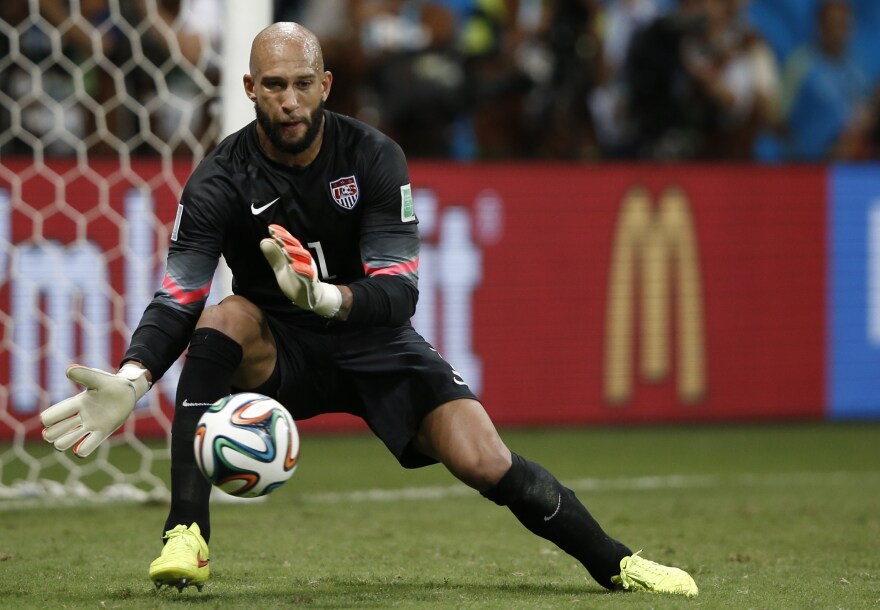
<point>345,192</point>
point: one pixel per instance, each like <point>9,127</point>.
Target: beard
<point>313,126</point>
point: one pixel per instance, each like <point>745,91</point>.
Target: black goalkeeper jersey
<point>351,207</point>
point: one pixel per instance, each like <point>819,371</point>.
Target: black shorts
<point>388,376</point>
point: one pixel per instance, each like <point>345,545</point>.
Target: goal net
<point>105,108</point>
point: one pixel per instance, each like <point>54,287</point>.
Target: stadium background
<point>693,291</point>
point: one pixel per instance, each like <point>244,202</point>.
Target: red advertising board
<point>562,293</point>
<point>542,312</point>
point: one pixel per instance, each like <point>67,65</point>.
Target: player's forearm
<point>159,339</point>
<point>384,300</point>
<point>347,300</point>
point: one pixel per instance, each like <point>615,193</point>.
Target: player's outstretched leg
<point>461,435</point>
<point>184,559</point>
<point>552,511</point>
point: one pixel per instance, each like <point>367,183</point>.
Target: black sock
<point>206,377</point>
<point>553,512</point>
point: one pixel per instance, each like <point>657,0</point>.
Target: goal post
<point>105,108</point>
<point>236,110</point>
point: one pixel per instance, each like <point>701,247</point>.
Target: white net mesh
<point>105,107</point>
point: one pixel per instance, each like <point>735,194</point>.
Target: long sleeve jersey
<point>351,207</point>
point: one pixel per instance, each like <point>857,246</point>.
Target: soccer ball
<point>247,444</point>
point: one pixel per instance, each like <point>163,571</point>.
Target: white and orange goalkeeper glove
<point>85,420</point>
<point>297,274</point>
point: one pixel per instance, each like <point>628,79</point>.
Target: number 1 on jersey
<point>322,262</point>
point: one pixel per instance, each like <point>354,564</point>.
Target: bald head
<point>289,40</point>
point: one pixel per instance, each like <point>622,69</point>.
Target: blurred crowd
<point>734,80</point>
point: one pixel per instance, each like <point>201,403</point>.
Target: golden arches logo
<point>655,251</point>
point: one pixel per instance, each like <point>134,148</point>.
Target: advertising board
<point>563,294</point>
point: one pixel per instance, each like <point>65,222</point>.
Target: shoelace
<point>643,568</point>
<point>180,540</point>
<point>177,531</point>
<point>648,575</point>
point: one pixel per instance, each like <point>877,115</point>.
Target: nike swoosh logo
<point>202,564</point>
<point>256,210</point>
<point>187,403</point>
<point>555,512</point>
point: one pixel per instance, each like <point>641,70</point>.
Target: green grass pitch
<point>769,516</point>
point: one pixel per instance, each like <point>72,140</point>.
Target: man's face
<point>289,137</point>
<point>288,95</point>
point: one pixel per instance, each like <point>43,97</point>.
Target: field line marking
<point>647,483</point>
<point>459,490</point>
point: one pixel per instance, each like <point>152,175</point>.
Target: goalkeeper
<point>313,212</point>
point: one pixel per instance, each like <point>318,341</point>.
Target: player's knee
<point>243,323</point>
<point>235,317</point>
<point>482,470</point>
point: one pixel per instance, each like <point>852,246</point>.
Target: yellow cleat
<point>184,560</point>
<point>640,574</point>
